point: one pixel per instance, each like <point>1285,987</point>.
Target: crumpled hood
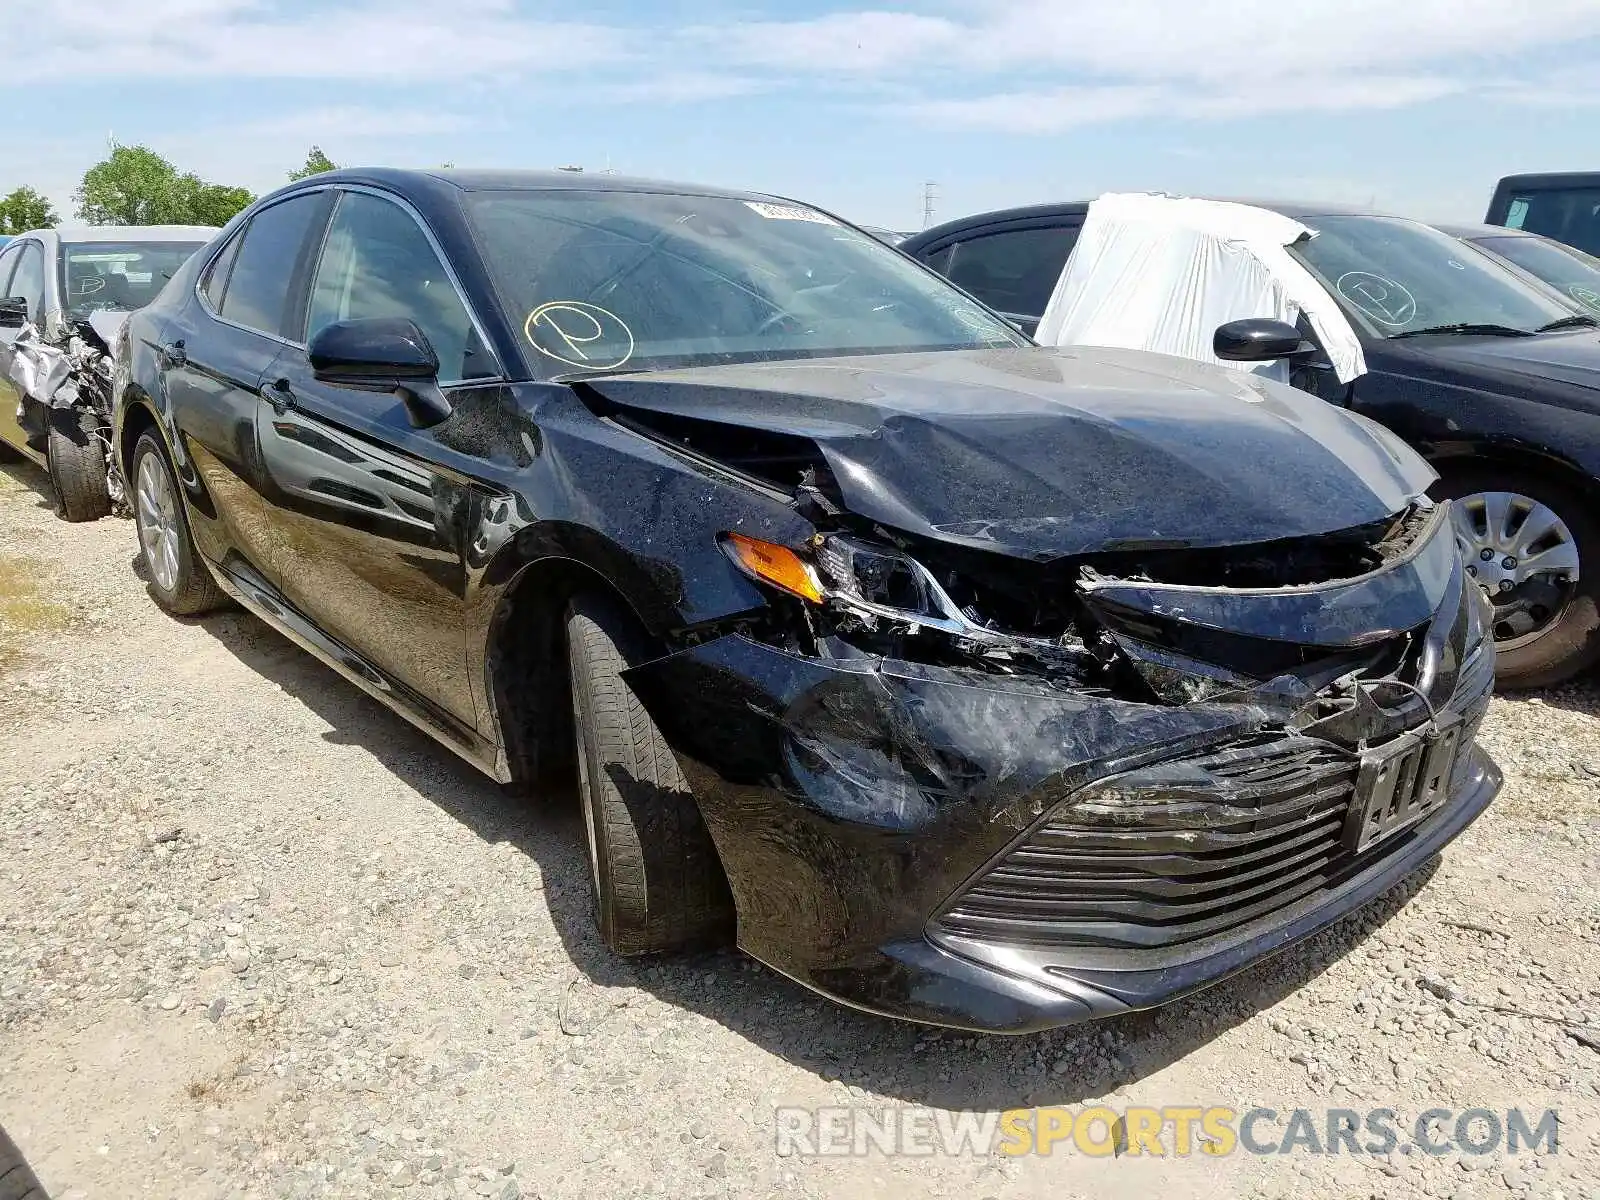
<point>1042,452</point>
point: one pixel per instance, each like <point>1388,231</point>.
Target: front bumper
<point>854,802</point>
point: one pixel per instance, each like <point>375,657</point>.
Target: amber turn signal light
<point>777,565</point>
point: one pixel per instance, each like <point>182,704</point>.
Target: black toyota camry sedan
<point>960,679</point>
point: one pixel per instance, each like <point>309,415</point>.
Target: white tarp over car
<point>1152,272</point>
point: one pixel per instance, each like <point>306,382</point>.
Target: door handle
<point>172,354</point>
<point>280,395</point>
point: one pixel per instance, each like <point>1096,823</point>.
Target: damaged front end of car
<point>1002,793</point>
<point>65,375</point>
<point>1091,680</point>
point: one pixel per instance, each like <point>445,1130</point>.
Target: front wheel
<point>179,581</point>
<point>658,882</point>
<point>77,460</point>
<point>1534,549</point>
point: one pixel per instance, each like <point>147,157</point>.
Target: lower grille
<point>1175,852</point>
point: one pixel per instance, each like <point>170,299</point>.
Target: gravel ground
<point>259,938</point>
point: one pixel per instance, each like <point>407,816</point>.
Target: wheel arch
<point>138,415</point>
<point>526,681</point>
<point>1447,458</point>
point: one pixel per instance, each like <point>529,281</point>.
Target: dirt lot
<point>258,938</point>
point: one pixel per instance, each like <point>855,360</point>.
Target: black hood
<point>1561,367</point>
<point>1042,452</point>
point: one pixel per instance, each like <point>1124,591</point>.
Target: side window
<point>377,262</point>
<point>257,290</point>
<point>216,280</point>
<point>1570,215</point>
<point>8,263</point>
<point>1015,271</point>
<point>29,280</point>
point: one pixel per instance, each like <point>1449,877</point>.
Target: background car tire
<point>1571,644</point>
<point>658,882</point>
<point>17,1180</point>
<point>193,590</point>
<point>77,461</point>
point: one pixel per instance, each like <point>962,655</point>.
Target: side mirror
<point>1259,339</point>
<point>13,312</point>
<point>373,350</point>
<point>382,354</point>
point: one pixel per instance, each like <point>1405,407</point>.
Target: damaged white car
<point>64,295</point>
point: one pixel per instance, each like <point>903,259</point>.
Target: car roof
<point>125,233</point>
<point>1300,210</point>
<point>1483,231</point>
<point>507,180</point>
<point>1551,179</point>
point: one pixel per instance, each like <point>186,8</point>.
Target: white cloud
<point>1034,66</point>
<point>1057,110</point>
<point>406,40</point>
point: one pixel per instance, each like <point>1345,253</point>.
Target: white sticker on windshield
<point>111,256</point>
<point>789,212</point>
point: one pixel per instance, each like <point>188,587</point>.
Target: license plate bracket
<point>1400,783</point>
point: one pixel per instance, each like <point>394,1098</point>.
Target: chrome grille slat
<point>1155,872</point>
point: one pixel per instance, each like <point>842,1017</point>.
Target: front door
<point>376,544</point>
<point>21,417</point>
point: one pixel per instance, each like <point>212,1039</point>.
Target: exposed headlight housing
<point>872,582</point>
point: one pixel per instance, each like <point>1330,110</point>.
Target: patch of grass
<point>26,611</point>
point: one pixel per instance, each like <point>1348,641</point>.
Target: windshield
<point>1395,276</point>
<point>1571,272</point>
<point>614,280</point>
<point>118,275</point>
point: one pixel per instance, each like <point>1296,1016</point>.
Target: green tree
<point>25,209</point>
<point>136,186</point>
<point>316,163</point>
<point>205,203</point>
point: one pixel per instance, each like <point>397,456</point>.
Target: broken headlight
<point>872,582</point>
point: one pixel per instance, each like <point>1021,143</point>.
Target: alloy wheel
<point>1523,556</point>
<point>157,518</point>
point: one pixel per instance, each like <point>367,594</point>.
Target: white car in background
<point>64,294</point>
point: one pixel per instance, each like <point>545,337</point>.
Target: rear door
<point>215,354</point>
<point>1011,266</point>
<point>378,518</point>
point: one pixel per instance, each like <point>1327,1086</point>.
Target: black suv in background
<point>1564,206</point>
<point>1493,378</point>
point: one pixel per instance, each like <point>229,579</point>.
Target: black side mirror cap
<point>13,312</point>
<point>373,352</point>
<point>388,354</point>
<point>1259,339</point>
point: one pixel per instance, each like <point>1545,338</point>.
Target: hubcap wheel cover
<point>1524,558</point>
<point>156,514</point>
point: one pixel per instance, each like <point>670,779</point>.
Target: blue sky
<point>1415,106</point>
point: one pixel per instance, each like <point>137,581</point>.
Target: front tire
<point>658,882</point>
<point>179,581</point>
<point>77,463</point>
<point>1546,626</point>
